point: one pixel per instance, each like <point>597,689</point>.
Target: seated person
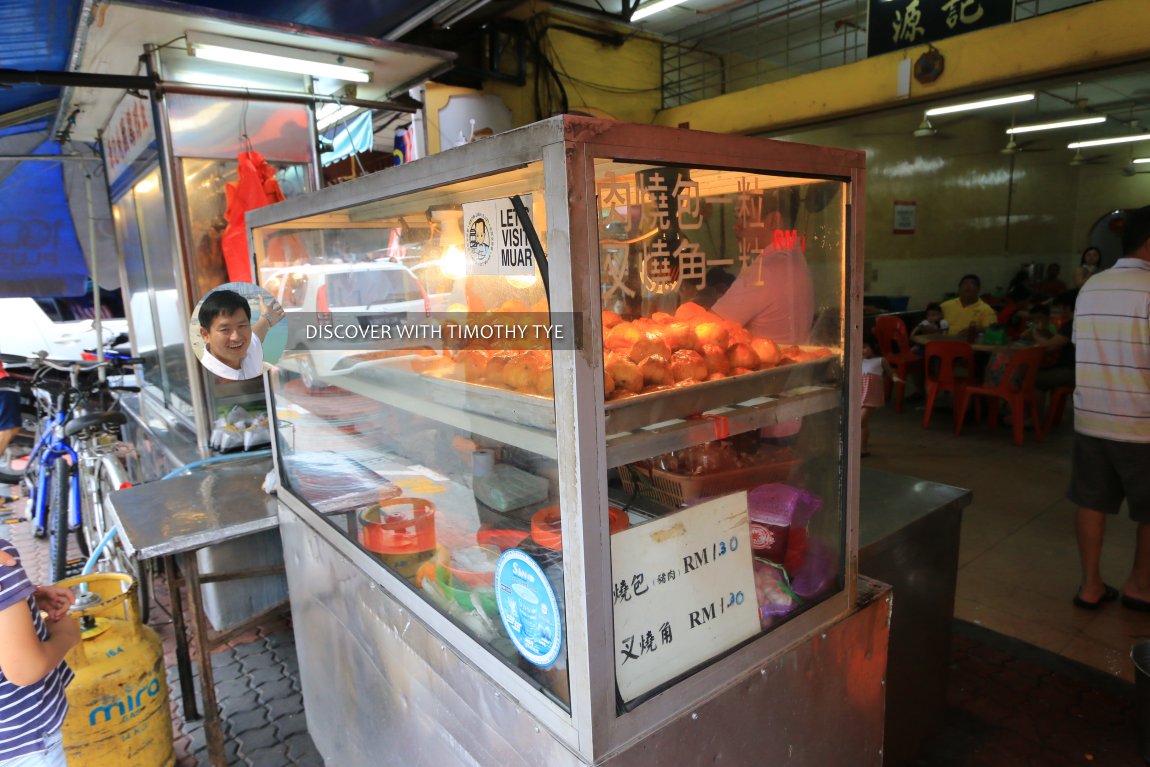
<point>1039,328</point>
<point>1016,313</point>
<point>1052,285</point>
<point>932,325</point>
<point>968,313</point>
<point>1059,346</point>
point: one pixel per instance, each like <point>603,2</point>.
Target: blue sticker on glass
<point>528,608</point>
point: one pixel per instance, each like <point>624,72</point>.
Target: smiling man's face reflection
<point>229,337</point>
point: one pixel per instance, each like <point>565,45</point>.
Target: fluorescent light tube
<point>282,58</point>
<point>329,114</point>
<point>986,103</point>
<point>1105,141</point>
<point>1057,124</point>
<point>653,8</point>
<point>1139,160</point>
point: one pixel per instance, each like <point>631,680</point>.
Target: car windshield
<point>371,287</point>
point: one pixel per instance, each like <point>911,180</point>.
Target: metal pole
<point>94,267</point>
<point>168,170</point>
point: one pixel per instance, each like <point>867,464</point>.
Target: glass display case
<point>577,397</point>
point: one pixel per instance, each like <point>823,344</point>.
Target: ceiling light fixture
<point>1140,160</point>
<point>653,8</point>
<point>1113,140</point>
<point>329,114</point>
<point>251,53</point>
<point>984,104</point>
<point>924,129</point>
<point>1057,124</point>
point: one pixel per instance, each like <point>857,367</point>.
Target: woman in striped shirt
<point>33,674</point>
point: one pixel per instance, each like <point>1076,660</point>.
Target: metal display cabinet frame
<point>595,729</point>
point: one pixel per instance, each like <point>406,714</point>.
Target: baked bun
<point>649,344</point>
<point>688,364</point>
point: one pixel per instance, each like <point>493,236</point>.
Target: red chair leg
<point>1038,430</point>
<point>961,402</point>
<point>931,394</point>
<point>958,394</point>
<point>1018,420</point>
<point>899,390</point>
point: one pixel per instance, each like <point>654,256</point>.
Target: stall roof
<point>112,40</point>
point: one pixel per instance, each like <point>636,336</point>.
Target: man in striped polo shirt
<point>33,673</point>
<point>1112,414</point>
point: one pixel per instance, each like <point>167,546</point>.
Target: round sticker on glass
<point>528,608</point>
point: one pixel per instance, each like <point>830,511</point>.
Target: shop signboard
<point>129,133</point>
<point>896,24</point>
<point>683,588</point>
<point>494,239</point>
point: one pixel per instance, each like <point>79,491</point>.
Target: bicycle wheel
<point>58,491</point>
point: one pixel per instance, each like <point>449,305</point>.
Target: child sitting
<point>932,324</point>
<point>1040,328</point>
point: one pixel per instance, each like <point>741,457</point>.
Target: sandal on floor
<point>1109,595</point>
<point>1134,603</point>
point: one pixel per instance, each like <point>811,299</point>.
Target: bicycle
<point>62,482</point>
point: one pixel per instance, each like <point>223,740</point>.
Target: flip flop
<point>1133,603</point>
<point>1109,595</point>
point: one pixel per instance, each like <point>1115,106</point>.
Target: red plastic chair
<point>1058,396</point>
<point>1016,389</point>
<point>949,366</point>
<point>894,345</point>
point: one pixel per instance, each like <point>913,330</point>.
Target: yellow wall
<point>621,83</point>
<point>1078,39</point>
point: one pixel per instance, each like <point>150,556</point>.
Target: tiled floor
<point>1018,561</point>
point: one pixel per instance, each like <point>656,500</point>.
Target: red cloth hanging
<point>255,188</point>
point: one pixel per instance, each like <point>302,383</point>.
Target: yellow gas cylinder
<point>118,703</point>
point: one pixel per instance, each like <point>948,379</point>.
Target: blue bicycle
<point>72,416</point>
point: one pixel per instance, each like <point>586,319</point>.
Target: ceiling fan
<point>1081,159</point>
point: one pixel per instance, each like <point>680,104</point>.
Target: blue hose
<point>188,468</point>
<point>95,555</point>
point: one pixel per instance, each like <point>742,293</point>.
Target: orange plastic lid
<point>547,530</point>
<point>398,526</point>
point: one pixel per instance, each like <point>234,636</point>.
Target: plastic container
<point>547,530</point>
<point>401,531</point>
<point>773,510</point>
<point>473,566</point>
<point>505,488</point>
<point>673,489</point>
<point>501,539</point>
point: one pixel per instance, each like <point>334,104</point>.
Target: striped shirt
<point>28,713</point>
<point>1112,341</point>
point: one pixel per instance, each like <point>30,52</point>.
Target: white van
<point>379,288</point>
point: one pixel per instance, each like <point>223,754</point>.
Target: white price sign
<point>494,240</point>
<point>684,591</point>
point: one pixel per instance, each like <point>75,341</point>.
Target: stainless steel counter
<point>908,537</point>
<point>173,516</point>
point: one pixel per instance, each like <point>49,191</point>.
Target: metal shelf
<point>676,434</point>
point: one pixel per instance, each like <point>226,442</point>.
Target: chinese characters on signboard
<point>660,212</point>
<point>683,592</point>
<point>897,24</point>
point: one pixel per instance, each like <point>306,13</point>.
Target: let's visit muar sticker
<point>494,238</point>
<point>528,608</point>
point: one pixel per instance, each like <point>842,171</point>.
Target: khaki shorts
<point>1106,472</point>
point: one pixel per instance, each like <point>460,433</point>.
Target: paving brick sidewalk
<point>257,679</point>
